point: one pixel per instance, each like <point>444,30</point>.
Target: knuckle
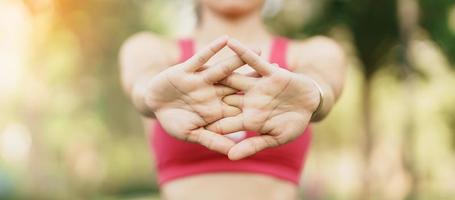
<point>235,112</point>
<point>219,128</point>
<point>225,70</point>
<point>210,117</point>
<point>255,62</point>
<point>271,142</point>
<point>279,78</point>
<point>212,49</point>
<point>208,143</point>
<point>219,91</point>
<point>207,78</point>
<point>189,137</point>
<point>255,145</point>
<point>228,80</point>
<point>201,59</point>
<point>243,54</point>
<point>282,139</point>
<point>252,123</point>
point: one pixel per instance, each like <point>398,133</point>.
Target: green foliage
<point>88,115</point>
<point>373,24</point>
<point>435,19</point>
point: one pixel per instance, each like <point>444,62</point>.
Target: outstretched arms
<point>200,103</point>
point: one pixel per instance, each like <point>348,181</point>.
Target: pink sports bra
<point>177,159</point>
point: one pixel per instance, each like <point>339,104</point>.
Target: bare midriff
<point>229,186</point>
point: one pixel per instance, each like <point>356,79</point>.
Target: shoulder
<point>148,48</point>
<point>302,52</point>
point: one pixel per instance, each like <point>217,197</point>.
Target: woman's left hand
<point>277,105</point>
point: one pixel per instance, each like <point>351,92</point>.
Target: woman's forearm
<point>327,99</point>
<point>324,63</point>
<point>141,57</point>
<point>138,97</point>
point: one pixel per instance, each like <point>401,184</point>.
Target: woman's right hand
<point>185,97</point>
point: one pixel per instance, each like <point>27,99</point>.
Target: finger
<point>234,100</point>
<point>225,67</point>
<point>211,140</point>
<point>255,50</point>
<point>229,111</point>
<point>222,90</point>
<point>202,68</point>
<point>201,57</point>
<point>251,146</point>
<point>227,125</point>
<point>239,81</point>
<point>250,58</point>
<point>222,69</point>
<point>253,74</point>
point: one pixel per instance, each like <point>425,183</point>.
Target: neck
<point>247,28</point>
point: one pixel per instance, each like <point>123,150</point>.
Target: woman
<point>232,122</point>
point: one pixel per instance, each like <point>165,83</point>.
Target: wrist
<point>316,115</point>
<point>141,98</point>
<point>326,100</point>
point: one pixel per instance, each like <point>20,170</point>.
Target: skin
<point>185,99</point>
<point>278,104</point>
<point>281,101</point>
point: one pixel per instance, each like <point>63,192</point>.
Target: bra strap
<point>186,46</point>
<point>278,51</point>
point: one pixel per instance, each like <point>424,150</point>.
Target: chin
<point>232,8</point>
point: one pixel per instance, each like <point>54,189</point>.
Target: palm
<point>188,102</point>
<point>277,105</point>
<point>186,98</point>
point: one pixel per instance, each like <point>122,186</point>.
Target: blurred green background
<point>68,132</point>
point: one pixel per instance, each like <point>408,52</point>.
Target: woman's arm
<point>141,57</point>
<point>323,60</point>
<point>183,97</point>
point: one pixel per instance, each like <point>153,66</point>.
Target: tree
<point>435,20</point>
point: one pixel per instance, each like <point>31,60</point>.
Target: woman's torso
<point>231,185</point>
